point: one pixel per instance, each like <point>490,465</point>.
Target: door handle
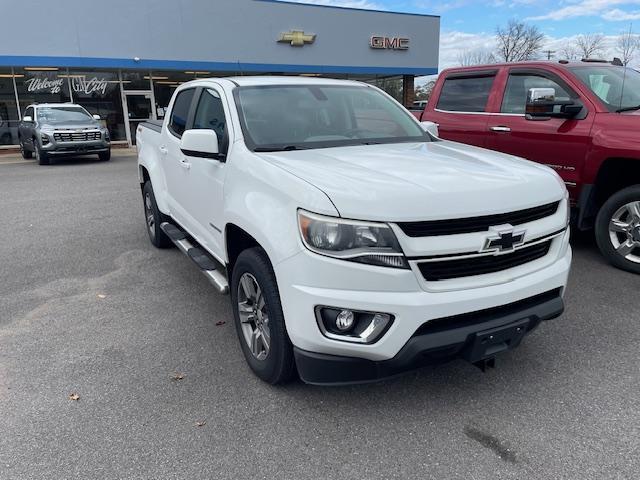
<point>163,150</point>
<point>500,129</point>
<point>185,164</point>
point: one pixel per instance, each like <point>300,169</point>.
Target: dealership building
<point>122,59</point>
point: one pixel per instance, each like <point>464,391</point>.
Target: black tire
<point>105,156</point>
<point>611,209</point>
<point>26,154</point>
<point>41,157</point>
<point>153,218</point>
<point>278,366</point>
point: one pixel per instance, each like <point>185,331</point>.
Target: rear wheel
<point>154,218</point>
<point>618,229</point>
<point>41,157</point>
<point>259,319</point>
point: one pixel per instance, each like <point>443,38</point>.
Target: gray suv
<point>51,130</point>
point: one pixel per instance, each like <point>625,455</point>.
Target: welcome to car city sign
<point>79,84</point>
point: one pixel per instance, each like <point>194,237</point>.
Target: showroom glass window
<point>48,85</point>
<point>99,93</point>
<point>465,94</point>
<point>8,109</point>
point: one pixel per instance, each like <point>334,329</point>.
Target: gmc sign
<point>389,43</point>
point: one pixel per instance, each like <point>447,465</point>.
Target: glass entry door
<point>139,109</point>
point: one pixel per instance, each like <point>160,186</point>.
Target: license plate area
<point>488,343</point>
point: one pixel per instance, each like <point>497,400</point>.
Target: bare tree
<point>627,45</point>
<point>570,52</point>
<point>518,41</point>
<point>423,92</point>
<point>478,56</point>
<point>589,44</point>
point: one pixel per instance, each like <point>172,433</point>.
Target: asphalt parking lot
<point>89,307</point>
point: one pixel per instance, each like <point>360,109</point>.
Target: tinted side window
<point>180,112</point>
<point>29,112</point>
<point>210,114</point>
<point>518,85</point>
<point>465,94</point>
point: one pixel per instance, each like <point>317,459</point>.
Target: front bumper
<point>436,342</point>
<point>75,148</point>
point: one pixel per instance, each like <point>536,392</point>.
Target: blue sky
<point>471,24</point>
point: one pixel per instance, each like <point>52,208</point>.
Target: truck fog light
<point>345,320</point>
<point>352,325</point>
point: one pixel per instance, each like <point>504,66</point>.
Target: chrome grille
<point>76,136</point>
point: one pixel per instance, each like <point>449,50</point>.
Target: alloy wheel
<point>254,318</point>
<point>148,211</point>
<point>624,231</point>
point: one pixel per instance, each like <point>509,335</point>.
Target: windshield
<point>290,117</point>
<point>617,89</point>
<point>53,115</point>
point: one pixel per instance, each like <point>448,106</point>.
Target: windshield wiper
<point>628,109</point>
<point>279,148</point>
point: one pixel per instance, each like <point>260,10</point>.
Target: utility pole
<point>549,53</point>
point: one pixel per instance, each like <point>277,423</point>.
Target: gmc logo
<point>389,43</point>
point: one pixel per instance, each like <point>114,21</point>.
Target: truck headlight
<point>352,240</point>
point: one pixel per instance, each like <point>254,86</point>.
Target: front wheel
<point>618,229</point>
<point>154,218</point>
<point>105,156</point>
<point>41,157</point>
<point>259,319</point>
<point>26,154</point>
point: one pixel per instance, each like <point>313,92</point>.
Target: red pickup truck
<point>581,119</point>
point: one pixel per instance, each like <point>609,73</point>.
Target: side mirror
<point>96,117</point>
<point>27,119</point>
<point>430,127</point>
<point>542,105</point>
<point>201,144</point>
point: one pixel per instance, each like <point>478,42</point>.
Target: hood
<point>421,181</point>
<point>89,125</point>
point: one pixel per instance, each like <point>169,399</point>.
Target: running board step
<point>207,264</point>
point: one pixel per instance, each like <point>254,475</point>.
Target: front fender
<point>149,159</point>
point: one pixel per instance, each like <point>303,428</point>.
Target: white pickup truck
<point>355,244</point>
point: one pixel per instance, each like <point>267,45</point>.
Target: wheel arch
<point>614,174</point>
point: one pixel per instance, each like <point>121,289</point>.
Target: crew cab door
<point>560,143</point>
<point>204,196</point>
<point>459,106</point>
<point>195,184</point>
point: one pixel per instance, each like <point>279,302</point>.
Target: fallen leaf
<point>101,296</point>
<point>200,424</point>
<point>177,376</point>
<point>74,396</point>
<point>221,322</point>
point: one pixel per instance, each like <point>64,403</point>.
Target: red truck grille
<point>476,224</point>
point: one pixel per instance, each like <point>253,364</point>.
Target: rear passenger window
<point>180,112</point>
<point>210,114</point>
<point>465,94</point>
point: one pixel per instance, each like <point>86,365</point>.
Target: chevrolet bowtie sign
<point>389,43</point>
<point>296,38</point>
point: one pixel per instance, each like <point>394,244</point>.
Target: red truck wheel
<point>618,229</point>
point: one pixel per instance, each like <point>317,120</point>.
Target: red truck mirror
<point>543,105</point>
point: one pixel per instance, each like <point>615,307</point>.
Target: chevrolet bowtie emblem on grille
<point>297,38</point>
<point>503,239</point>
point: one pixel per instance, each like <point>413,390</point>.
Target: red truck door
<point>459,107</point>
<point>557,142</point>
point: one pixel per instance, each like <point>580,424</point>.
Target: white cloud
<point>617,15</point>
<point>584,8</point>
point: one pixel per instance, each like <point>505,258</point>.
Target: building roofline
<point>150,64</point>
<point>288,2</point>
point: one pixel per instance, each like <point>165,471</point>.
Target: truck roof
<point>535,63</point>
<point>257,80</point>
